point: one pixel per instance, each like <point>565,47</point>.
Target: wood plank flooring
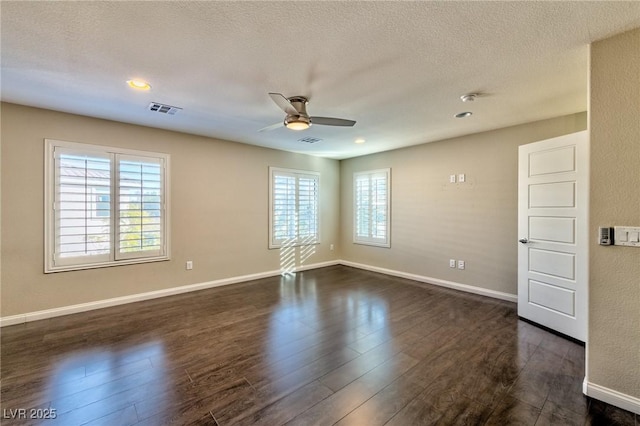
<point>329,346</point>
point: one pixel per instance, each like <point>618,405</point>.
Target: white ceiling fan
<point>297,117</point>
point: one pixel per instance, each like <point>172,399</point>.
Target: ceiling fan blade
<point>272,127</point>
<point>329,121</point>
<point>283,103</point>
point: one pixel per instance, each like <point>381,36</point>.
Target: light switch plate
<point>628,236</point>
<point>461,178</point>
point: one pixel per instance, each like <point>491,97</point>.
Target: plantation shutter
<point>372,207</point>
<point>362,209</point>
<point>307,209</point>
<point>294,208</point>
<point>140,207</point>
<point>81,207</point>
<point>105,206</point>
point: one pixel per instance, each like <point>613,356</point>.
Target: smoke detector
<point>469,97</point>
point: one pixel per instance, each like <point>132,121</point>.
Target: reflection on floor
<point>329,346</point>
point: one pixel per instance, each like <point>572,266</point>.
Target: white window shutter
<point>82,207</point>
<point>294,207</point>
<point>140,207</point>
<point>372,207</point>
<point>105,206</point>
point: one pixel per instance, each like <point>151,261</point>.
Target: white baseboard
<point>610,396</point>
<point>83,307</point>
<point>436,281</point>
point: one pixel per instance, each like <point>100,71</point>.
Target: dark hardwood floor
<point>329,346</point>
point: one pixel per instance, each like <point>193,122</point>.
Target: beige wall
<point>434,221</point>
<point>219,208</point>
<point>614,298</point>
<point>226,235</point>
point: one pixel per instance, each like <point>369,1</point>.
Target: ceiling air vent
<point>165,109</point>
<point>309,140</point>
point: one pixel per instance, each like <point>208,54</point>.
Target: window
<point>104,206</point>
<point>293,207</point>
<point>372,195</point>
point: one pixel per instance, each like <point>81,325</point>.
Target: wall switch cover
<point>628,236</point>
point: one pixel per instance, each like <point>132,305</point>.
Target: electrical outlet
<point>461,178</point>
<point>189,265</point>
<point>460,264</point>
<point>452,263</point>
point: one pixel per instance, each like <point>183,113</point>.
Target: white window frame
<point>114,257</point>
<point>275,243</point>
<point>370,239</point>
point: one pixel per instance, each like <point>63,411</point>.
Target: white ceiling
<point>398,68</point>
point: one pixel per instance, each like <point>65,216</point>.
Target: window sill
<point>373,244</point>
<point>67,268</point>
<point>280,246</point>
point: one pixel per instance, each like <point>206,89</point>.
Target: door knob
<point>523,240</point>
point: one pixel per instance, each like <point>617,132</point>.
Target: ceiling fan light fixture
<point>297,125</point>
<point>297,122</point>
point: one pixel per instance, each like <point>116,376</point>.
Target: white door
<point>553,260</point>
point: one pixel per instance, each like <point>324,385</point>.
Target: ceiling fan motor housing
<point>300,104</point>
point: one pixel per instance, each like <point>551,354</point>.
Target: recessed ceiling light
<point>463,114</point>
<point>139,84</point>
<point>359,140</point>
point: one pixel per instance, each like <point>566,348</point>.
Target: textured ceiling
<point>398,68</point>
